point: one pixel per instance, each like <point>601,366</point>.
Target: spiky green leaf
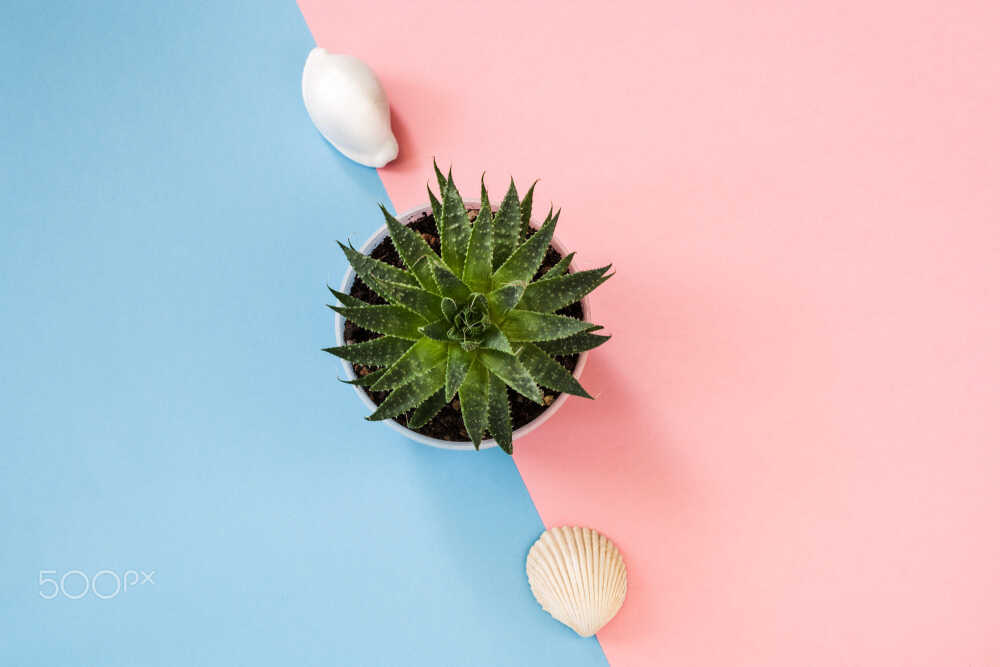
<point>435,208</point>
<point>478,260</point>
<point>414,251</point>
<point>437,330</point>
<point>385,319</point>
<point>426,411</point>
<point>548,372</point>
<point>474,395</point>
<point>498,415</point>
<point>377,352</point>
<point>529,326</point>
<point>368,268</point>
<point>449,308</point>
<point>506,226</point>
<point>424,355</point>
<point>454,227</point>
<point>449,285</point>
<point>546,296</point>
<point>484,200</point>
<point>560,267</point>
<point>410,395</point>
<point>526,211</point>
<point>419,300</point>
<point>459,362</point>
<point>504,299</point>
<point>524,262</point>
<point>442,181</point>
<point>347,299</point>
<point>512,372</point>
<point>574,344</point>
<point>366,380</point>
<point>496,340</point>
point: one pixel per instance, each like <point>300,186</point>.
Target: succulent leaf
<point>442,181</point>
<point>385,319</point>
<point>435,208</point>
<point>512,372</point>
<point>424,355</point>
<point>548,372</point>
<point>526,211</point>
<point>474,396</point>
<point>410,395</point>
<point>378,352</point>
<point>529,326</point>
<point>506,226</point>
<point>449,308</point>
<point>498,415</point>
<point>366,267</point>
<point>575,344</point>
<point>459,362</point>
<point>561,267</point>
<point>484,201</point>
<point>427,410</point>
<point>365,380</point>
<point>494,339</point>
<point>420,301</point>
<point>524,261</point>
<point>454,228</point>
<point>546,296</point>
<point>347,299</point>
<point>449,285</point>
<point>502,300</point>
<point>478,261</point>
<point>412,248</point>
<point>437,330</point>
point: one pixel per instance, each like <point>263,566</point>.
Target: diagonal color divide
<point>794,441</point>
<point>168,219</point>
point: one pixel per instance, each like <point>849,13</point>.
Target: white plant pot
<point>345,287</point>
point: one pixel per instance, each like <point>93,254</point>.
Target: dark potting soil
<point>448,424</point>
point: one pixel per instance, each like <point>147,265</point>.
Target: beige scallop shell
<point>578,576</point>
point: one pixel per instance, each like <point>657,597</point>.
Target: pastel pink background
<point>796,439</point>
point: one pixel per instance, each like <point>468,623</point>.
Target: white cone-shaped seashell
<point>348,106</point>
<point>578,576</point>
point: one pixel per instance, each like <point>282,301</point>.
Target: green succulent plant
<point>471,320</point>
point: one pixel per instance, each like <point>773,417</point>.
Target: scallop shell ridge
<point>578,576</point>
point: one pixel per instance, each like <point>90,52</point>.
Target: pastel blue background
<point>169,219</point>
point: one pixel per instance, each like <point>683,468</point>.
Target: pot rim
<point>457,445</point>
